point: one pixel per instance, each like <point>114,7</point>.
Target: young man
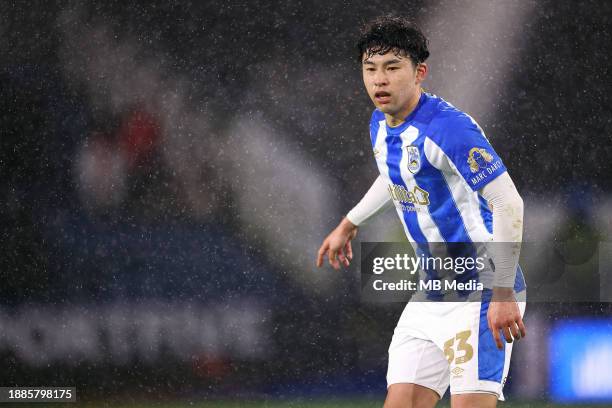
<point>447,185</point>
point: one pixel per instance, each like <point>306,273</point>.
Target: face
<point>393,82</point>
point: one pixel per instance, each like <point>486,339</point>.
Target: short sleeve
<point>466,146</point>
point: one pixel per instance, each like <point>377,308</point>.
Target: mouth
<point>382,97</point>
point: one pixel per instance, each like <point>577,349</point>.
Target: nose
<point>380,79</point>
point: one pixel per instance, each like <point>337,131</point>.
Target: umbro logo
<point>457,371</point>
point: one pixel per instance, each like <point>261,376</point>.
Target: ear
<point>421,72</point>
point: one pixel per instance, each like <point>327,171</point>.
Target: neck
<point>394,120</point>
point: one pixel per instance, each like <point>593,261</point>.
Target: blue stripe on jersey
<point>445,214</point>
<point>394,157</point>
<point>485,213</point>
<point>519,281</point>
<point>490,359</point>
<point>443,209</point>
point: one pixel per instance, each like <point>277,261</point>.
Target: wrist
<point>347,226</point>
<point>501,293</point>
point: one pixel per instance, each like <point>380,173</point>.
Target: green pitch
<point>339,404</point>
<point>327,403</point>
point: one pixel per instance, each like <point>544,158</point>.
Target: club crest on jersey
<point>478,158</point>
<point>414,158</point>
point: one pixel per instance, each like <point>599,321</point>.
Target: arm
<point>507,207</point>
<point>376,200</point>
<point>466,146</point>
<point>338,242</point>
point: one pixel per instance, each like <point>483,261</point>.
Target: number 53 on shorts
<point>465,351</point>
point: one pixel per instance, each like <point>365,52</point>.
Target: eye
<point>393,68</point>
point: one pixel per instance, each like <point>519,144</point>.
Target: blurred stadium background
<point>169,170</point>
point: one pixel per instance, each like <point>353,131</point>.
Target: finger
<point>321,254</point>
<point>514,330</point>
<point>331,255</point>
<point>521,327</point>
<point>349,250</point>
<point>341,257</point>
<point>340,254</point>
<point>507,335</point>
<point>495,332</point>
<point>497,339</point>
<point>347,262</point>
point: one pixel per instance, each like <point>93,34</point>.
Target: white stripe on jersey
<point>466,200</point>
<point>424,219</point>
<point>381,148</point>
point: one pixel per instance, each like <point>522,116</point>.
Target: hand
<point>337,245</point>
<point>504,315</point>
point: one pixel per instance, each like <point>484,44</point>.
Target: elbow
<point>512,210</point>
<point>516,210</point>
<point>519,205</point>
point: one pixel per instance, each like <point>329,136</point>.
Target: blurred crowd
<point>200,152</point>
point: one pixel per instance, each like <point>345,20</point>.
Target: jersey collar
<point>399,129</point>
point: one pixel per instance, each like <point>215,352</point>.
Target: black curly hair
<point>392,33</point>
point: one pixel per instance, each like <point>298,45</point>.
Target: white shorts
<point>440,343</point>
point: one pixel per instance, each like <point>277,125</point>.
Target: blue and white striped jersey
<point>435,163</point>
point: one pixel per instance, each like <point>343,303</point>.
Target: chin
<point>386,109</point>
